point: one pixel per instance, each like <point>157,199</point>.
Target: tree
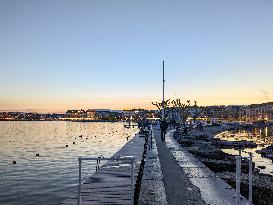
<point>181,109</point>
<point>197,111</point>
<point>159,106</point>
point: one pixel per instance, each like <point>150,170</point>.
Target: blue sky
<point>56,55</point>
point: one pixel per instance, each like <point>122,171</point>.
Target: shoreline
<point>205,147</point>
<point>5,120</point>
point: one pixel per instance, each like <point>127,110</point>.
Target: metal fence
<point>98,159</point>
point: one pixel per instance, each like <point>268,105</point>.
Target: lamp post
<point>163,100</point>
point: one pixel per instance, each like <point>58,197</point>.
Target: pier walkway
<point>111,184</point>
<point>152,190</point>
<point>186,180</point>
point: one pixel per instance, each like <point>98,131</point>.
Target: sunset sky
<point>64,54</point>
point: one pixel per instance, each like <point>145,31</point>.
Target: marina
<point>263,137</point>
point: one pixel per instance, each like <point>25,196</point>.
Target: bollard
<point>151,136</point>
<point>250,178</point>
<point>151,139</point>
<point>238,178</point>
<point>132,182</point>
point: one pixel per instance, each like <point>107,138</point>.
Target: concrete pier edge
<point>213,189</point>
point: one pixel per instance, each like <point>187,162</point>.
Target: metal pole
<point>250,178</point>
<point>163,98</point>
<point>238,179</point>
<point>80,181</point>
<point>151,137</point>
<point>132,182</point>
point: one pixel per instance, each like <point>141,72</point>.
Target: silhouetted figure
<point>163,128</point>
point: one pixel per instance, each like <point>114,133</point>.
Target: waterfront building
<point>222,112</point>
<point>72,113</point>
<point>107,114</point>
<point>32,116</point>
<point>91,114</point>
<point>135,114</point>
<point>76,114</point>
<point>259,112</point>
<point>242,113</point>
<point>215,112</point>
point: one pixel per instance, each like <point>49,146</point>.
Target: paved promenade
<point>186,181</point>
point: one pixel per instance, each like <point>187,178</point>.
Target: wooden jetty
<point>111,184</point>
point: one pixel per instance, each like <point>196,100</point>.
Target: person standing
<point>163,128</point>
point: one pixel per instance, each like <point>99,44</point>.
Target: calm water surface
<point>262,136</point>
<point>51,177</point>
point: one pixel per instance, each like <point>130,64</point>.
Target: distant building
<point>72,113</point>
<point>257,112</point>
<point>222,112</point>
<point>107,114</point>
<point>76,114</point>
<point>218,112</point>
<point>91,114</point>
<point>242,113</point>
<point>233,112</point>
<point>135,114</point>
<point>32,116</point>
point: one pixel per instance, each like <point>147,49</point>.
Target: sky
<point>62,54</point>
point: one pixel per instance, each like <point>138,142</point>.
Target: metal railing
<point>98,159</point>
<point>238,176</point>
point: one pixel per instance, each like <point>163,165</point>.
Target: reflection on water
<point>52,176</point>
<point>261,136</point>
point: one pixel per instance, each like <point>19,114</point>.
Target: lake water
<point>263,137</point>
<point>52,176</point>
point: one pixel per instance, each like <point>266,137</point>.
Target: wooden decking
<point>111,184</point>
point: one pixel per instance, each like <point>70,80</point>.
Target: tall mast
<point>163,100</point>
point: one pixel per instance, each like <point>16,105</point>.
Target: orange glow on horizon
<point>57,106</point>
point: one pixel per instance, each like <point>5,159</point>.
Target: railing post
<point>238,178</point>
<point>132,182</point>
<point>80,181</point>
<point>151,136</point>
<point>250,178</point>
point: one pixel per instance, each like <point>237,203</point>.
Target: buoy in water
<point>14,162</point>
